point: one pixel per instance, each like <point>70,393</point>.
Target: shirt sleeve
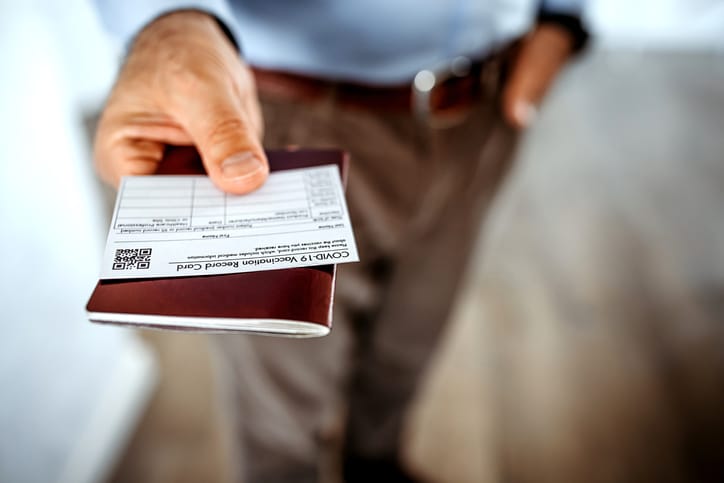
<point>125,19</point>
<point>565,14</point>
<point>564,7</point>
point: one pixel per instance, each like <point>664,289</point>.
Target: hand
<point>183,83</point>
<point>542,55</point>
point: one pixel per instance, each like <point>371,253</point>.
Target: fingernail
<point>524,113</point>
<point>241,165</point>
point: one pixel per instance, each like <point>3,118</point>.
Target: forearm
<point>557,35</point>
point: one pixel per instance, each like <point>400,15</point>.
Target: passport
<point>289,302</point>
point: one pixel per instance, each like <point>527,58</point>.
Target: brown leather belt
<point>448,89</point>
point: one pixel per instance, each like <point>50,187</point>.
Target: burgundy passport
<point>295,302</point>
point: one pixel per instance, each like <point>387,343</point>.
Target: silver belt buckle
<point>427,80</point>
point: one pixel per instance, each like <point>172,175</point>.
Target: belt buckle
<point>427,81</point>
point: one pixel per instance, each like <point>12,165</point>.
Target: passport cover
<point>295,302</point>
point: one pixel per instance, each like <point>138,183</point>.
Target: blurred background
<point>587,345</point>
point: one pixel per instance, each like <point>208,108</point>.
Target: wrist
<point>181,27</point>
<point>568,25</point>
<point>550,41</point>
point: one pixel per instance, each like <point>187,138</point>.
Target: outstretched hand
<point>183,83</point>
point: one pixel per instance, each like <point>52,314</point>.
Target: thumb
<point>227,138</point>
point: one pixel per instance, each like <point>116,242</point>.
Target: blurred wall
<point>71,391</point>
<point>661,24</point>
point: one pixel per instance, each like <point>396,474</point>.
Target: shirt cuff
<point>565,14</point>
<point>125,19</point>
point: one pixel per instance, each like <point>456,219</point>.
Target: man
<point>413,91</point>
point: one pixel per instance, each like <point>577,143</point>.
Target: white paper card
<point>173,226</point>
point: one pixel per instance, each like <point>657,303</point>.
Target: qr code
<point>132,258</point>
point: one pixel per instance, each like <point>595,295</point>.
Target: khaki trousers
<point>417,194</point>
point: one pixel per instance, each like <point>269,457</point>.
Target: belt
<point>449,89</point>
